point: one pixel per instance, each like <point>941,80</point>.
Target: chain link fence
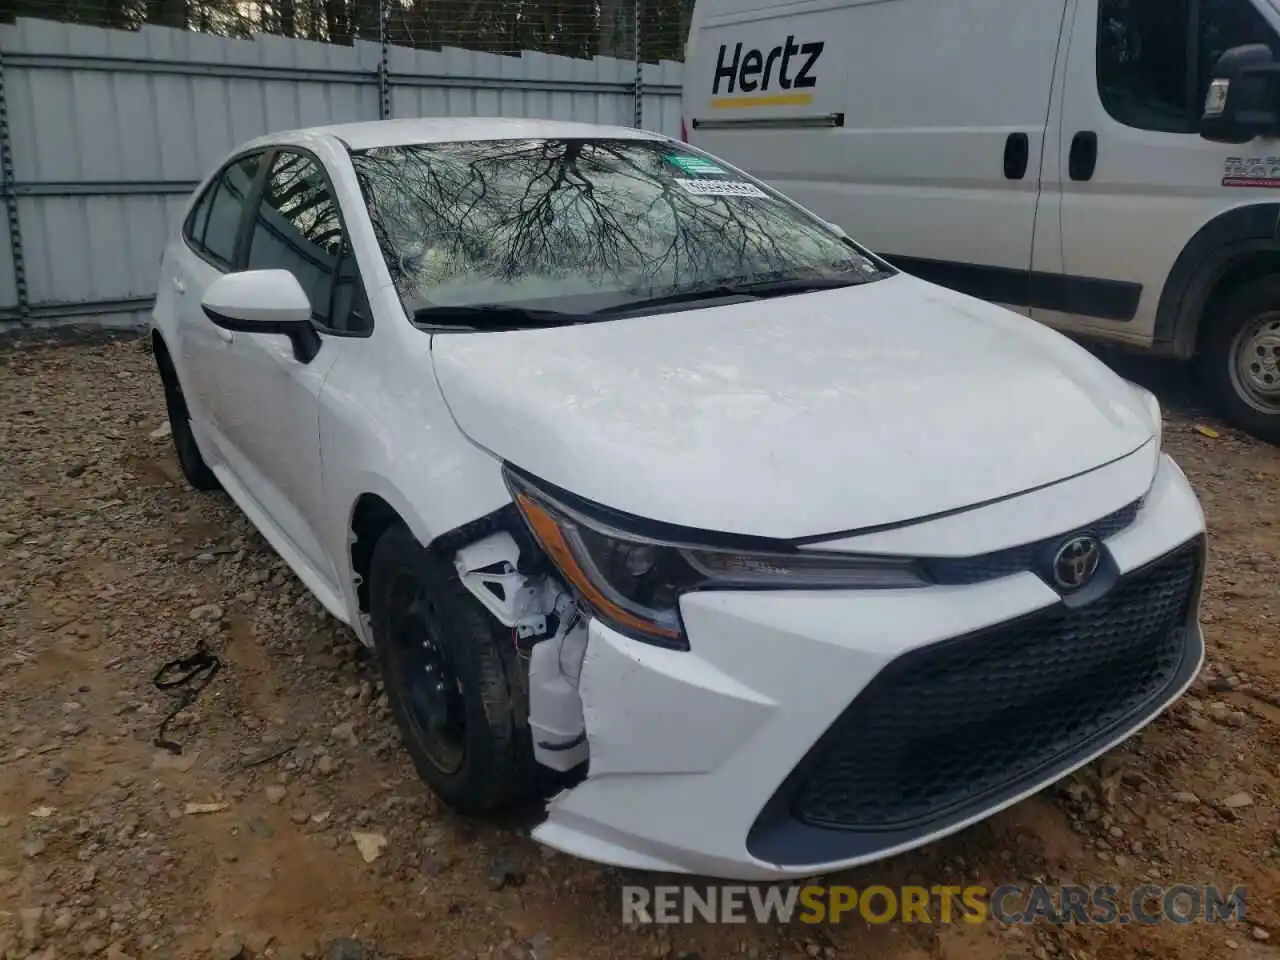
<point>648,30</point>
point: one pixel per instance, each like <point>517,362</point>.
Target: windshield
<point>580,226</point>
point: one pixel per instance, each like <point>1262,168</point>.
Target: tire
<point>1240,358</point>
<point>191,461</point>
<point>453,680</point>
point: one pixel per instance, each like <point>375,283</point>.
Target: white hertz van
<point>1110,168</point>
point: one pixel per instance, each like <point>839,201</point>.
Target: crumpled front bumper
<point>695,755</point>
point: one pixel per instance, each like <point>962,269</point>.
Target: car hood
<point>794,416</point>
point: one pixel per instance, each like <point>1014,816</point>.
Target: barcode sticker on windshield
<point>721,188</point>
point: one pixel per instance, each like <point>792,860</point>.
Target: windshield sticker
<point>693,165</point>
<point>722,188</point>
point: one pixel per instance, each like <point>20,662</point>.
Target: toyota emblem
<point>1076,561</point>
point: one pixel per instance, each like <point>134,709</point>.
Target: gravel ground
<point>243,846</point>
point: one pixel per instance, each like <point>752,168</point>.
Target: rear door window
<point>215,221</point>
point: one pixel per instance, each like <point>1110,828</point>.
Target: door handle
<point>1017,152</point>
<point>1083,159</point>
<point>179,285</point>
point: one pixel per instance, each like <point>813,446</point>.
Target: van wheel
<point>190,459</point>
<point>452,677</point>
<point>1241,358</point>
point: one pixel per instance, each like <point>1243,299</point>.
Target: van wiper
<point>494,316</point>
<point>752,289</point>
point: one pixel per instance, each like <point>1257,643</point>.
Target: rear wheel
<point>192,462</point>
<point>1241,357</point>
<point>453,680</point>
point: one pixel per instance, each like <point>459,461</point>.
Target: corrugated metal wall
<point>8,288</point>
<point>110,130</point>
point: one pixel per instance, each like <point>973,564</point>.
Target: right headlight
<point>633,581</point>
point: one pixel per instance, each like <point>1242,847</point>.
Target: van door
<point>1136,180</point>
<point>917,126</point>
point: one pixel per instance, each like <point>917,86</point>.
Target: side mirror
<point>1242,101</point>
<point>264,301</point>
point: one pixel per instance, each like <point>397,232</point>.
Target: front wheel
<point>453,680</point>
<point>1241,358</point>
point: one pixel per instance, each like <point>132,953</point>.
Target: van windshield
<point>545,231</point>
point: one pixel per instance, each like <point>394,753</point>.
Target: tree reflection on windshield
<point>524,221</point>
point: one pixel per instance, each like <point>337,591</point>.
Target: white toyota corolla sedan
<point>658,495</point>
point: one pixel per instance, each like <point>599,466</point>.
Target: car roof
<point>391,133</point>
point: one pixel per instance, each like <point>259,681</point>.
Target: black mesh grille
<point>943,727</point>
<point>1027,556</point>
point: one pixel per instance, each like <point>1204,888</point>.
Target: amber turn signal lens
<point>547,530</point>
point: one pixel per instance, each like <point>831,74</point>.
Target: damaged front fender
<point>549,631</point>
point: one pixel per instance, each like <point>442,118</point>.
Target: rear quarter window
<point>199,218</point>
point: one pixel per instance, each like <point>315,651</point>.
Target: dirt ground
<point>110,566</point>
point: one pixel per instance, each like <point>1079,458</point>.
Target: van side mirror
<point>1243,100</point>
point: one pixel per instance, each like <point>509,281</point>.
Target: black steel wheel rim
<point>433,693</point>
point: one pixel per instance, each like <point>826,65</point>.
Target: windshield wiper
<point>494,316</point>
<point>718,292</point>
<point>757,289</point>
<point>778,288</point>
<point>499,316</point>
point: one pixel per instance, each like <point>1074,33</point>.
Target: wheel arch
<point>162,354</point>
<point>166,353</point>
<point>1234,247</point>
<point>379,506</point>
<point>371,516</point>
